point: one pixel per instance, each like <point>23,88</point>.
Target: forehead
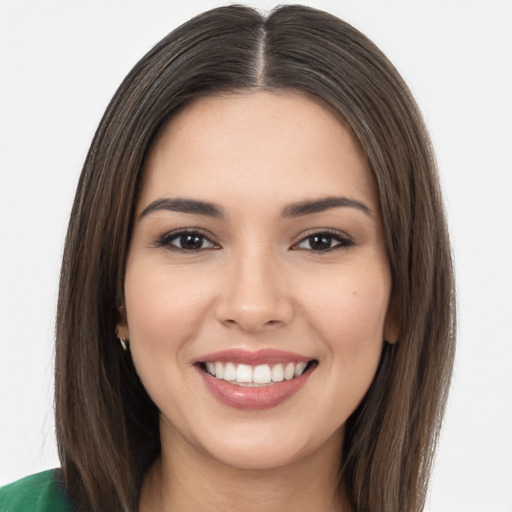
<point>256,142</point>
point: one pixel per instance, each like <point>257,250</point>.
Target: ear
<point>392,323</point>
<point>122,330</point>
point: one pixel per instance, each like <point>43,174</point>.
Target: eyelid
<point>341,237</point>
<point>166,238</point>
<point>344,239</point>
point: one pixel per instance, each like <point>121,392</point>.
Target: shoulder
<point>41,492</point>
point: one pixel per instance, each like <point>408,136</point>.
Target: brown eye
<point>192,242</point>
<point>323,242</point>
<point>186,241</point>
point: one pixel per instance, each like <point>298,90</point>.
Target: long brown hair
<point>107,426</point>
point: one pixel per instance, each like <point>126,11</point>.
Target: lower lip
<point>253,398</point>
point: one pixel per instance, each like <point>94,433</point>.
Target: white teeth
<point>261,374</point>
<point>229,372</point>
<point>299,369</point>
<point>277,373</point>
<point>244,373</point>
<point>289,371</point>
<point>219,370</point>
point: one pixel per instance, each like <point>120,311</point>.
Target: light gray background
<point>60,63</point>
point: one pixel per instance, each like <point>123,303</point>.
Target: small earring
<point>123,343</point>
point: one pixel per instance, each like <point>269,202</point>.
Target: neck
<point>185,479</point>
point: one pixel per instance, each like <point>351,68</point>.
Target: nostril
<point>251,322</point>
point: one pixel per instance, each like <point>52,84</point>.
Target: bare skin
<point>282,249</point>
<point>199,484</point>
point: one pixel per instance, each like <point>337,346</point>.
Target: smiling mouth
<point>262,375</point>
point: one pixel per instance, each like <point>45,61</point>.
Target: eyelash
<point>167,239</point>
<point>341,241</point>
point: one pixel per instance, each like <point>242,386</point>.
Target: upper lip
<point>253,357</point>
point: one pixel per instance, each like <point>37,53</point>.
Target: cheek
<point>163,309</point>
<point>346,314</point>
<point>349,316</point>
<point>351,308</point>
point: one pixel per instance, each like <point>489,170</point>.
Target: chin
<point>260,447</point>
<point>253,457</point>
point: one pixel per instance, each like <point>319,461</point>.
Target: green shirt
<point>41,492</point>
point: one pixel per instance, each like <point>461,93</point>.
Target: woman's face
<point>257,282</point>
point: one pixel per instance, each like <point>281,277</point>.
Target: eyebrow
<point>192,206</point>
<point>320,205</point>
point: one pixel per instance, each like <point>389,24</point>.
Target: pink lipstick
<point>254,380</point>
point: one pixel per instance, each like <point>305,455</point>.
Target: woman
<point>256,302</point>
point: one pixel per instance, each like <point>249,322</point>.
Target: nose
<point>254,296</point>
